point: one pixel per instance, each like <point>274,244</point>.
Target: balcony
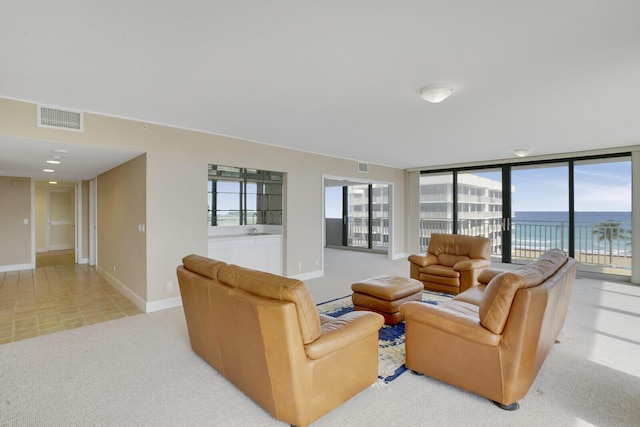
<point>602,248</point>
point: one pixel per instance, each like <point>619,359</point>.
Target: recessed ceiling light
<point>53,162</point>
<point>60,151</point>
<point>53,182</point>
<point>48,170</point>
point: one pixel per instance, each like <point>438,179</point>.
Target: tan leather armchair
<point>452,263</point>
<point>493,338</point>
<point>264,334</point>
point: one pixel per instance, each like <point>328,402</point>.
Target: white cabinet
<point>262,253</point>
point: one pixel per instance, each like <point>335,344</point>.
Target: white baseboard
<point>139,302</point>
<point>163,304</point>
<point>83,261</point>
<point>308,276</point>
<point>147,307</point>
<point>16,267</point>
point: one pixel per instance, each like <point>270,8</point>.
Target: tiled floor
<point>53,298</point>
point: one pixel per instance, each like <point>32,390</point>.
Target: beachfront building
<point>479,201</point>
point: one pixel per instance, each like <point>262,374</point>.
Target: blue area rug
<point>391,353</point>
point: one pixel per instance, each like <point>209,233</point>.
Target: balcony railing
<point>602,247</point>
<point>358,233</point>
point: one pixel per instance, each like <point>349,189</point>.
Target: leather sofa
<point>452,262</point>
<point>493,338</point>
<point>264,334</point>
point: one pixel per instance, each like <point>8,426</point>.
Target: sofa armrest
<point>472,264</point>
<point>423,260</point>
<point>450,321</point>
<point>343,331</point>
<point>487,275</point>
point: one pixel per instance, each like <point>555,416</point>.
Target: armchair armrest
<point>423,260</point>
<point>450,321</point>
<point>472,264</point>
<point>343,331</point>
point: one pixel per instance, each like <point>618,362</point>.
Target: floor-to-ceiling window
<point>357,215</point>
<point>436,205</point>
<point>602,240</point>
<point>580,205</point>
<point>479,199</point>
<point>539,210</point>
<point>357,210</point>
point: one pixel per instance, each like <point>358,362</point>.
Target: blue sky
<point>600,187</point>
<point>333,202</point>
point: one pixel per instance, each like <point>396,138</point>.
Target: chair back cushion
<point>495,304</point>
<point>277,288</point>
<point>452,248</point>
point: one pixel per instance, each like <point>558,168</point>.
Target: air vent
<point>57,118</point>
<point>363,167</point>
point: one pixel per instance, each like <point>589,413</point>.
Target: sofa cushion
<point>279,288</point>
<point>203,266</point>
<point>473,295</point>
<point>495,304</point>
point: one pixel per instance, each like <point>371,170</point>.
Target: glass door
<point>480,206</point>
<point>540,204</point>
<point>379,216</point>
<point>333,216</point>
<point>357,211</point>
<point>436,206</point>
<point>357,216</point>
<point>602,240</point>
<point>61,219</point>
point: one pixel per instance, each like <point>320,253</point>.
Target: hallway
<point>53,298</point>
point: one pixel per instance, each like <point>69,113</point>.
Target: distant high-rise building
<point>479,202</point>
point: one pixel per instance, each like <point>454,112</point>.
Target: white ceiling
<point>342,77</point>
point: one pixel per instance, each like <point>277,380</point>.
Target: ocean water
<point>581,217</point>
<point>546,230</point>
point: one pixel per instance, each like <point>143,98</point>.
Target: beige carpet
<point>140,371</point>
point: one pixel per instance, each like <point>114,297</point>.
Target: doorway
<point>55,211</point>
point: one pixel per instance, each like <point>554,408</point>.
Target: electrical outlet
<point>299,266</point>
<point>169,287</point>
<point>114,268</point>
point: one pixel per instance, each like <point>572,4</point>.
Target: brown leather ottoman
<point>385,295</point>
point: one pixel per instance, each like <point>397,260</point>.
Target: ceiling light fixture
<point>53,162</point>
<point>435,93</point>
<point>48,170</point>
<point>522,152</point>
<point>53,182</point>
